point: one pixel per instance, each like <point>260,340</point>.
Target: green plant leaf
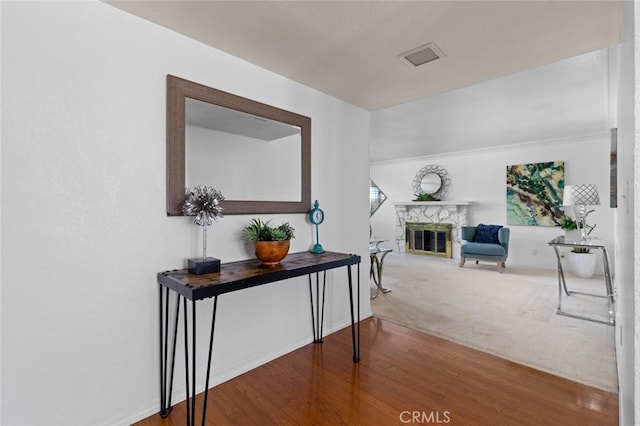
<point>257,230</point>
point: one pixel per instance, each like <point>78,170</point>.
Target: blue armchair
<point>485,242</point>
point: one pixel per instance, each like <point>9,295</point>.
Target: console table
<point>236,276</point>
<point>562,284</point>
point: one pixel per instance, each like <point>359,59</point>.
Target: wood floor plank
<point>402,373</point>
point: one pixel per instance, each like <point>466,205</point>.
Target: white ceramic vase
<point>583,265</point>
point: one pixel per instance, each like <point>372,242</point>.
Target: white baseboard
<point>179,394</point>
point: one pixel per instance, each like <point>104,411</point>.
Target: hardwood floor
<point>404,377</point>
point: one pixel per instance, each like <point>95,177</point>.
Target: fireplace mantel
<point>433,203</point>
<point>453,212</point>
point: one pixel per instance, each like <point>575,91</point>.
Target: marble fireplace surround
<point>454,212</point>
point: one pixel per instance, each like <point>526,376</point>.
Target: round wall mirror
<point>431,180</point>
<point>430,183</point>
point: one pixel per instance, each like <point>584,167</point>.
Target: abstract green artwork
<point>534,194</point>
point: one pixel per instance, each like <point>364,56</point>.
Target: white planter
<point>583,265</point>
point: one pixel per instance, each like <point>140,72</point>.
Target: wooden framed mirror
<point>257,155</point>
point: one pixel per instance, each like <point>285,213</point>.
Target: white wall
<point>480,177</point>
<point>627,213</point>
<point>1,214</point>
<point>84,229</point>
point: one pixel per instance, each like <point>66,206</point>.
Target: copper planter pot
<point>272,252</point>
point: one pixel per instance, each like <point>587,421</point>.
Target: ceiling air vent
<point>421,55</point>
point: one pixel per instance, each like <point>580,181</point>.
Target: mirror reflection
<point>214,134</point>
<point>430,183</point>
<point>376,197</point>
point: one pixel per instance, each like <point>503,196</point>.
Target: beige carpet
<point>511,315</point>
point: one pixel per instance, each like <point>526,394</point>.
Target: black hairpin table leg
<point>355,322</point>
<point>186,363</point>
<point>206,384</point>
<point>166,374</point>
<point>317,311</point>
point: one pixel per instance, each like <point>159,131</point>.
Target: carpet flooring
<point>511,315</point>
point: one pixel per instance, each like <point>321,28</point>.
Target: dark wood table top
<point>243,274</point>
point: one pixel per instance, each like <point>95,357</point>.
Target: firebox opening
<point>433,239</point>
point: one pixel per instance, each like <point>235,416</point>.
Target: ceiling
<point>350,49</point>
<point>566,99</point>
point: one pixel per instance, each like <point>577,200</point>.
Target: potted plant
<point>570,228</point>
<point>272,243</point>
<point>425,197</point>
<point>582,262</point>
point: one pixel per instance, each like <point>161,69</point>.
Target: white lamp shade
<point>581,195</point>
<point>585,195</point>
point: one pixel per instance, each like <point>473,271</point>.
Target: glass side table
<point>558,242</point>
<point>377,255</point>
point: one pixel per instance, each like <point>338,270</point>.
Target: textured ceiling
<point>505,79</point>
<point>565,99</point>
<point>349,49</point>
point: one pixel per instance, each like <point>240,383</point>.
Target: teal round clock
<point>316,216</point>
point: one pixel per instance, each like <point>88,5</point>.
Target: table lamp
<point>581,196</point>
